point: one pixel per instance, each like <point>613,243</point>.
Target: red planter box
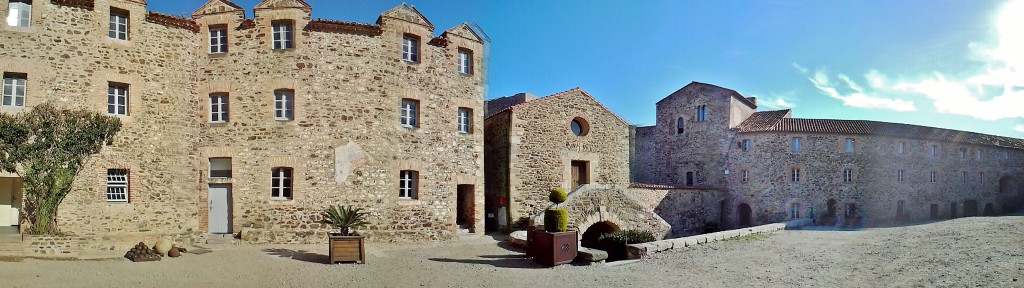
<point>553,248</point>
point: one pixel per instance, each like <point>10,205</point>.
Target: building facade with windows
<point>251,126</point>
<point>772,167</point>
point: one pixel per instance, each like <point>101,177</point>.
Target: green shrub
<point>557,195</point>
<point>556,220</point>
<point>631,236</point>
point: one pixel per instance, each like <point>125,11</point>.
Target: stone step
<point>220,239</point>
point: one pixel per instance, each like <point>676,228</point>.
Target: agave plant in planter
<point>345,245</point>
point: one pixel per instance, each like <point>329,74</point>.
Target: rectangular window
<point>218,39</point>
<point>14,90</point>
<point>977,154</point>
<point>795,174</point>
<point>963,177</point>
<point>935,151</point>
<point>408,114</point>
<point>220,167</point>
<point>284,105</point>
<point>847,175</point>
<point>900,149</point>
<point>933,177</point>
<point>281,183</point>
<point>465,61</point>
<point>1006,156</point>
<point>118,24</point>
<point>963,152</point>
<point>794,211</point>
<point>689,178</point>
<point>746,145</point>
<point>899,175</point>
<point>795,145</point>
<point>464,119</point>
<point>702,113</point>
<point>408,180</point>
<point>848,147</point>
<point>745,176</point>
<point>117,99</point>
<point>899,208</point>
<point>283,34</point>
<point>19,12</point>
<point>117,185</point>
<point>411,48</point>
<point>981,177</point>
<point>219,108</point>
<point>851,210</point>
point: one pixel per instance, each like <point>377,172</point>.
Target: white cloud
<point>857,98</point>
<point>1019,128</point>
<point>777,100</point>
<point>800,68</point>
<point>992,93</point>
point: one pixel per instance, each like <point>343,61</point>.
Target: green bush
<point>628,237</point>
<point>557,195</point>
<point>556,220</point>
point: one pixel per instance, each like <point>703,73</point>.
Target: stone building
<point>772,167</point>
<point>250,126</point>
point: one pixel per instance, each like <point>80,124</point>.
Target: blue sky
<point>943,63</point>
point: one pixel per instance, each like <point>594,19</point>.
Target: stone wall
<point>687,211</point>
<point>594,203</point>
<point>51,246</point>
<point>644,150</point>
<point>543,146</point>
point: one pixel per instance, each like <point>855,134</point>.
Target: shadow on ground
<point>300,255</point>
<point>503,261</point>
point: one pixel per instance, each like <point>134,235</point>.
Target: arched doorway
<point>970,208</point>
<point>594,232</point>
<point>744,214</point>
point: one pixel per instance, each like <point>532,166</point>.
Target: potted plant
<point>555,245</point>
<point>345,245</point>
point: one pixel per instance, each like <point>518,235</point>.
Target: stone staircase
<point>10,242</point>
<point>220,239</point>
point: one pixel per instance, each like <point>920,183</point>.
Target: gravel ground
<point>976,252</point>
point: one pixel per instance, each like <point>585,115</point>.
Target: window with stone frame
<point>117,99</point>
<point>281,183</point>
<point>978,153</point>
<point>409,113</point>
<point>794,145</point>
<point>935,151</point>
<point>680,125</point>
<point>847,175</point>
<point>283,33</point>
<point>981,178</point>
<point>794,174</point>
<point>933,177</point>
<point>689,178</point>
<point>117,185</point>
<point>220,167</point>
<point>963,177</point>
<point>745,144</point>
<point>219,108</point>
<point>14,87</point>
<point>901,148</point>
<point>745,176</point>
<point>1006,156</point>
<point>464,118</point>
<point>218,39</point>
<point>899,175</point>
<point>851,210</point>
<point>284,104</point>
<point>963,152</point>
<point>702,111</point>
<point>408,182</point>
<point>465,61</point>
<point>118,24</point>
<point>19,13</point>
<point>411,48</point>
<point>794,210</point>
<point>848,145</point>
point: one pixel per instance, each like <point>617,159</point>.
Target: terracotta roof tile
<point>335,26</point>
<point>173,21</point>
<point>771,121</point>
<point>556,96</point>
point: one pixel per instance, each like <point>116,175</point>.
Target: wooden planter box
<point>346,249</point>
<point>554,248</point>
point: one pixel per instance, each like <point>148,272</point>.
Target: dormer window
<point>411,48</point>
<point>218,39</point>
<point>284,34</point>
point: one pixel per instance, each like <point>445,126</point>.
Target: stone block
<point>638,251</point>
<point>678,243</point>
<point>661,245</point>
<point>591,255</point>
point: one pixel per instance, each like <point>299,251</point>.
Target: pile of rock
<point>141,253</point>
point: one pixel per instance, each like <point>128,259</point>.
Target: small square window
<point>465,120</point>
<point>14,87</point>
<point>281,183</point>
<point>117,99</point>
<point>117,185</point>
<point>411,48</point>
<point>284,105</point>
<point>408,180</point>
<point>218,39</point>
<point>220,167</point>
<point>284,34</point>
<point>118,24</point>
<point>465,64</point>
<point>19,13</point>
<point>409,116</point>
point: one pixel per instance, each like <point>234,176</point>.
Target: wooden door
<point>580,173</point>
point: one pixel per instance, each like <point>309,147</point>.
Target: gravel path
<point>982,252</point>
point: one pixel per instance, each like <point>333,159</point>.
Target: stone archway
<point>744,215</point>
<point>593,233</point>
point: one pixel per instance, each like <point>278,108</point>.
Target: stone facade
<point>343,140</point>
<point>531,149</point>
<point>875,182</point>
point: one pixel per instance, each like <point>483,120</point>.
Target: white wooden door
<point>6,202</point>
<point>220,209</point>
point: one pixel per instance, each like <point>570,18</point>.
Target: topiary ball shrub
<point>557,195</point>
<point>615,242</point>
<point>556,220</point>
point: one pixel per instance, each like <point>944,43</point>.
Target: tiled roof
<point>335,26</point>
<point>173,21</point>
<point>84,4</point>
<point>774,121</point>
<point>556,96</point>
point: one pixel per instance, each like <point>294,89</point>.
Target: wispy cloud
<point>857,97</point>
<point>777,100</point>
<point>1019,128</point>
<point>994,92</point>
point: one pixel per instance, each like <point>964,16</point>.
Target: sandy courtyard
<point>974,252</point>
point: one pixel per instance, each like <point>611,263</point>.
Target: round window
<point>579,126</point>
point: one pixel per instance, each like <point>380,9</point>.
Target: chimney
<point>752,100</point>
